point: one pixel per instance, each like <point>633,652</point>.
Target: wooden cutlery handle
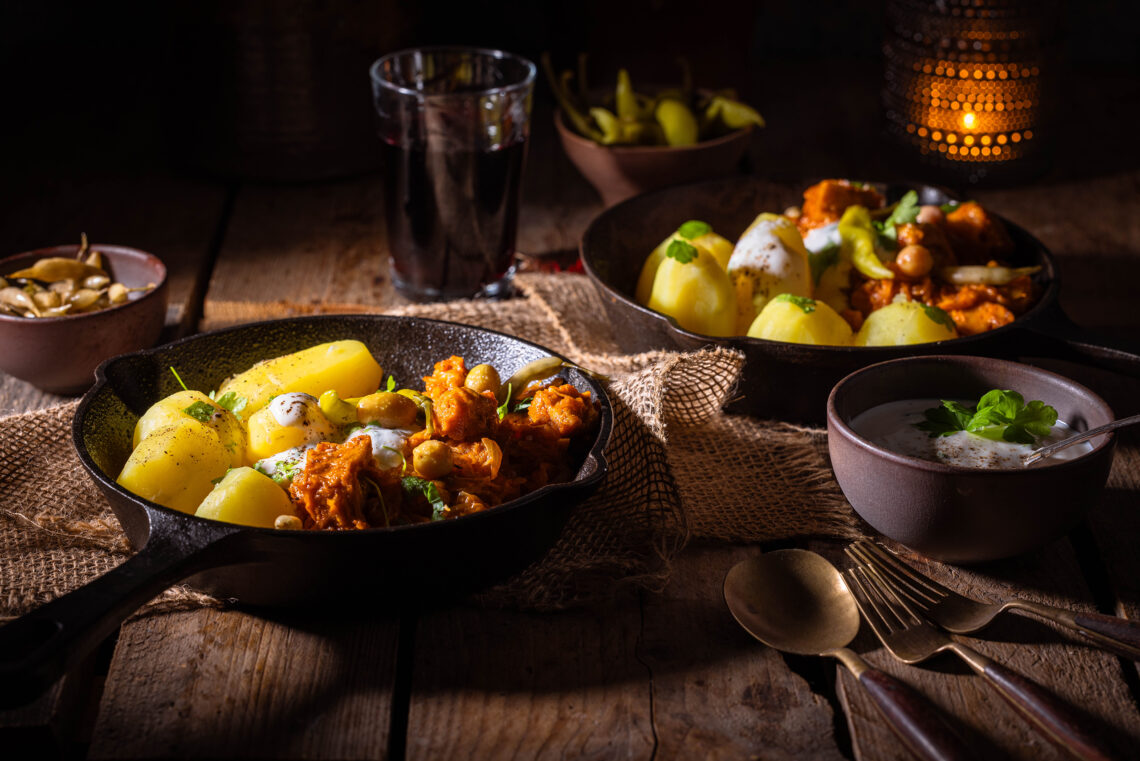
<point>914,718</point>
<point>1117,634</point>
<point>1066,728</point>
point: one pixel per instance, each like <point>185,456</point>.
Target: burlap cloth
<point>679,469</point>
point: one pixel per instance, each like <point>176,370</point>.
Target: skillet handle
<point>1056,335</point>
<point>41,646</point>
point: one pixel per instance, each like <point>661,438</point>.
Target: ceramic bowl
<point>959,514</point>
<point>60,354</point>
<point>621,172</point>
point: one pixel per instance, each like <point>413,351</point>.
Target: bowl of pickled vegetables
<point>626,142</point>
<point>65,309</point>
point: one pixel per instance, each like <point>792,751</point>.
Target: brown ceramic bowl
<point>621,172</point>
<point>60,354</point>
<point>958,514</point>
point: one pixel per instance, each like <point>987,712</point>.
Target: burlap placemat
<point>679,469</point>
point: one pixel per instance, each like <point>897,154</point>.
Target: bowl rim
<point>105,248</point>
<point>1048,296</point>
<point>595,452</point>
<point>838,425</point>
<point>568,133</point>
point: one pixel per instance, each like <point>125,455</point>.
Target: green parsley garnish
<point>940,316</point>
<point>803,302</point>
<point>905,212</point>
<point>203,412</point>
<point>694,228</point>
<point>414,486</point>
<point>230,401</point>
<point>178,378</point>
<point>951,206</point>
<point>998,415</point>
<point>390,384</point>
<point>681,251</point>
<point>523,404</point>
<point>506,405</point>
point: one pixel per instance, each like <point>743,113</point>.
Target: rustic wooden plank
<point>717,692</point>
<point>1088,679</point>
<point>511,685</point>
<point>229,684</point>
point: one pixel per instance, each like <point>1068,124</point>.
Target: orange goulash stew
<point>322,439</point>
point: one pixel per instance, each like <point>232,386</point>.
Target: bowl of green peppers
<point>626,142</point>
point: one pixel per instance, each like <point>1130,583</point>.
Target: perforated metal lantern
<point>968,83</point>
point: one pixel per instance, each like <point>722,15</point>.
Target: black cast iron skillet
<point>787,381</point>
<point>265,567</point>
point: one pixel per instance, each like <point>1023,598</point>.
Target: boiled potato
<point>799,320</point>
<point>290,420</point>
<point>718,246</point>
<point>173,409</point>
<point>247,497</point>
<point>769,259</point>
<point>176,465</point>
<point>905,322</point>
<point>346,367</point>
<point>696,293</point>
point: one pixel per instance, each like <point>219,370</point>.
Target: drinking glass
<point>453,126</point>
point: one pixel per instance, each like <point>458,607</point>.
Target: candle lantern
<point>966,84</point>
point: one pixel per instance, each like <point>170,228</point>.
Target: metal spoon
<point>1050,450</point>
<point>796,601</point>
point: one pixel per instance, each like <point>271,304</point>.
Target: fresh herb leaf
<point>694,228</point>
<point>218,480</point>
<point>820,260</point>
<point>681,251</point>
<point>203,412</point>
<point>951,206</point>
<point>178,378</point>
<point>803,302</point>
<point>390,384</point>
<point>230,401</point>
<point>905,212</point>
<point>999,414</point>
<point>414,486</point>
<point>940,316</point>
<point>523,404</point>
<point>403,459</point>
<point>506,405</point>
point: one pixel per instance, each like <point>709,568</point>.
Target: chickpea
<point>287,523</point>
<point>930,215</point>
<point>432,459</point>
<point>387,409</point>
<point>914,261</point>
<point>483,378</point>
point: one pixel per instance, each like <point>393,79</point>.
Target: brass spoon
<point>796,601</point>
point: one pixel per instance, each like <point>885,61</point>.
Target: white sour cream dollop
<point>387,444</point>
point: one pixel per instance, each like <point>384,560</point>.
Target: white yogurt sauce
<point>293,409</point>
<point>282,466</point>
<point>819,238</point>
<point>387,444</point>
<point>892,426</point>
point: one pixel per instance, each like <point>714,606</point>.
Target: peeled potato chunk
<point>194,405</point>
<point>800,320</point>
<point>769,259</point>
<point>905,322</point>
<point>717,245</point>
<point>696,293</point>
<point>246,497</point>
<point>289,421</point>
<point>176,465</point>
<point>346,367</point>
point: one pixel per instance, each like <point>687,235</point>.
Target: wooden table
<point>650,676</point>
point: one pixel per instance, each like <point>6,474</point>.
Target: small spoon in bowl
<point>1052,449</point>
<point>796,601</point>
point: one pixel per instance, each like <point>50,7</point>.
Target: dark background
<point>279,90</point>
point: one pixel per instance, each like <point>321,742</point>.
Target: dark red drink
<point>452,217</point>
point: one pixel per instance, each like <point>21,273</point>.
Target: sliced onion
<point>981,275</point>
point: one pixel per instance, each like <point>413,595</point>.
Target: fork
<point>912,639</point>
<point>959,614</point>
